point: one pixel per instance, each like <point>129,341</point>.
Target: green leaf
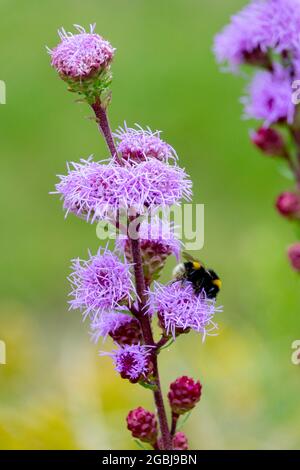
<point>149,386</point>
<point>183,420</point>
<point>139,444</point>
<point>286,172</point>
<point>171,341</point>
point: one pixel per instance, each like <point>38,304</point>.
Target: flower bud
<point>269,141</point>
<point>142,424</point>
<point>288,204</point>
<point>127,333</point>
<point>184,394</point>
<point>180,441</point>
<point>294,256</point>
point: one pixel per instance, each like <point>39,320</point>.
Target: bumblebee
<point>202,279</point>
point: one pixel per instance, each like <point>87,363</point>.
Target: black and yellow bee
<point>202,279</point>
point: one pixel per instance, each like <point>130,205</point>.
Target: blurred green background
<point>55,392</point>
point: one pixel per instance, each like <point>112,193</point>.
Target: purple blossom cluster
<point>266,34</point>
<point>180,309</point>
<point>140,178</point>
<point>95,190</point>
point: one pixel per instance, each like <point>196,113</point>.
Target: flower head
<point>92,190</point>
<point>243,37</point>
<point>142,424</point>
<point>184,394</point>
<point>270,97</point>
<point>81,55</point>
<point>178,307</point>
<point>131,361</point>
<point>139,144</point>
<point>294,256</point>
<point>122,328</point>
<point>154,184</point>
<point>101,283</point>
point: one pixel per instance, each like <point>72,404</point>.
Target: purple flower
<point>96,190</point>
<point>270,97</point>
<point>123,328</point>
<point>131,361</point>
<point>258,27</point>
<point>92,190</point>
<point>101,283</point>
<point>154,184</point>
<point>179,307</point>
<point>81,55</point>
<point>139,144</point>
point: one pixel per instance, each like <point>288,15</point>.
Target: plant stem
<point>166,439</point>
<point>148,337</point>
<point>175,417</point>
<point>101,115</point>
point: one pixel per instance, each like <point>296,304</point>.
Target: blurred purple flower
<point>81,55</point>
<point>180,308</point>
<point>270,97</point>
<point>139,144</point>
<point>259,26</point>
<point>131,361</point>
<point>101,283</point>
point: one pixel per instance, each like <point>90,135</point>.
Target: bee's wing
<point>189,257</point>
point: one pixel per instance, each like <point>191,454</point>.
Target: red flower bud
<point>269,141</point>
<point>288,204</point>
<point>180,441</point>
<point>142,424</point>
<point>184,394</point>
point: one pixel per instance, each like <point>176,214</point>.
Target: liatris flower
<point>81,55</point>
<point>294,256</point>
<point>178,307</point>
<point>122,328</point>
<point>269,141</point>
<point>139,144</point>
<point>155,184</point>
<point>92,190</point>
<point>142,424</point>
<point>258,27</point>
<point>101,283</point>
<point>158,241</point>
<point>132,361</point>
<point>96,190</point>
<point>270,97</point>
<point>184,394</point>
<point>288,204</point>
